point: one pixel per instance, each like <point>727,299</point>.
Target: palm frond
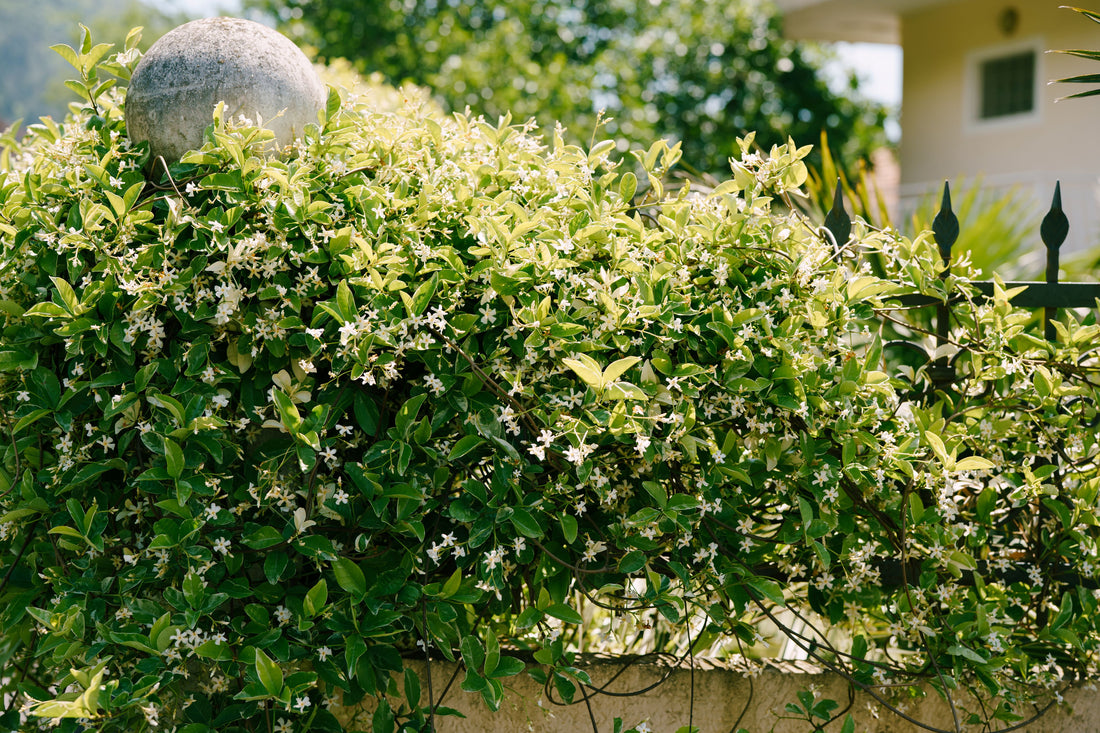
<point>1079,95</point>
<point>1093,55</point>
<point>1093,16</point>
<point>1082,79</point>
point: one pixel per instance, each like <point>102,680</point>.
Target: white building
<point>976,94</point>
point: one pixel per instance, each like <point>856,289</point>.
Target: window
<point>1002,86</point>
<point>1007,85</point>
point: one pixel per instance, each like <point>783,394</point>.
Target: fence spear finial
<point>1053,230</point>
<point>945,226</point>
<point>837,220</point>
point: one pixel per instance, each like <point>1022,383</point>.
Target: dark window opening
<point>1008,85</point>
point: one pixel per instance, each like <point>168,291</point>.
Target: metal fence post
<point>1053,231</point>
<point>945,230</point>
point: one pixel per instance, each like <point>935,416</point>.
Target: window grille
<point>1008,85</point>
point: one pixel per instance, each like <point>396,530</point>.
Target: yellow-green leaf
<point>270,673</point>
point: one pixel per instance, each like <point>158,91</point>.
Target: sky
<point>878,66</point>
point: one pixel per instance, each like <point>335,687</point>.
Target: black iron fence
<point>1048,295</point>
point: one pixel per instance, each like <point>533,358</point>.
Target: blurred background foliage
<point>695,71</point>
<point>33,82</point>
<point>998,225</point>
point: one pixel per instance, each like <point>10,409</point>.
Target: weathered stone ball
<point>256,71</point>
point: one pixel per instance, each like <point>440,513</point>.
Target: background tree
<point>702,73</point>
<point>33,82</point>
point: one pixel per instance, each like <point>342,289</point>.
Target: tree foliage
<point>32,84</point>
<point>698,73</point>
<point>430,385</point>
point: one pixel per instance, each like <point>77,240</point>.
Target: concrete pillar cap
<point>256,71</point>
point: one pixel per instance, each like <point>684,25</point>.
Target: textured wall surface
<point>723,697</point>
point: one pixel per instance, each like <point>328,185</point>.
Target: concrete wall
<point>721,696</point>
<point>941,137</point>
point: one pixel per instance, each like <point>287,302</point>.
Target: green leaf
<point>1090,14</point>
<point>315,598</point>
<point>565,613</point>
<point>211,649</point>
<point>974,463</point>
<point>588,369</point>
<point>452,585</point>
<point>382,721</point>
<point>625,391</point>
<point>565,687</point>
<point>962,560</point>
<point>269,673</point>
<point>407,414</point>
<point>404,457</point>
<point>45,310</point>
<point>617,368</point>
<point>507,667</point>
<point>767,588</point>
<point>28,420</point>
<point>193,589</point>
<point>632,562</point>
<point>423,296</point>
<point>412,688</point>
<point>69,301</point>
<point>173,454</point>
<point>525,523</point>
<point>937,446</point>
<point>569,527</point>
<point>17,359</point>
<point>654,489</point>
<point>1065,613</point>
<point>628,185</point>
<point>288,413</point>
<point>350,577</point>
<point>345,302</point>
<point>92,56</point>
<point>67,531</point>
<point>961,651</point>
<point>332,103</point>
<point>473,653</point>
<point>528,618</point>
<point>263,538</point>
<point>492,654</point>
<point>172,405</point>
<point>68,53</point>
<point>464,445</point>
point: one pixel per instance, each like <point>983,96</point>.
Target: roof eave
<point>872,21</point>
<point>866,27</point>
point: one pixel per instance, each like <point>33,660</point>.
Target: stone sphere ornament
<point>256,71</point>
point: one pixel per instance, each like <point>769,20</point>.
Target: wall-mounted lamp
<point>1009,20</point>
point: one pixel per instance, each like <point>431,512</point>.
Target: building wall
<point>715,699</point>
<point>941,139</point>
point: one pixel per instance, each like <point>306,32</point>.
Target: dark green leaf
<point>565,613</point>
<point>350,577</point>
<point>464,445</point>
<point>525,523</point>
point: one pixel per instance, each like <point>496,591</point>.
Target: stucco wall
<point>722,697</point>
<point>940,138</point>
